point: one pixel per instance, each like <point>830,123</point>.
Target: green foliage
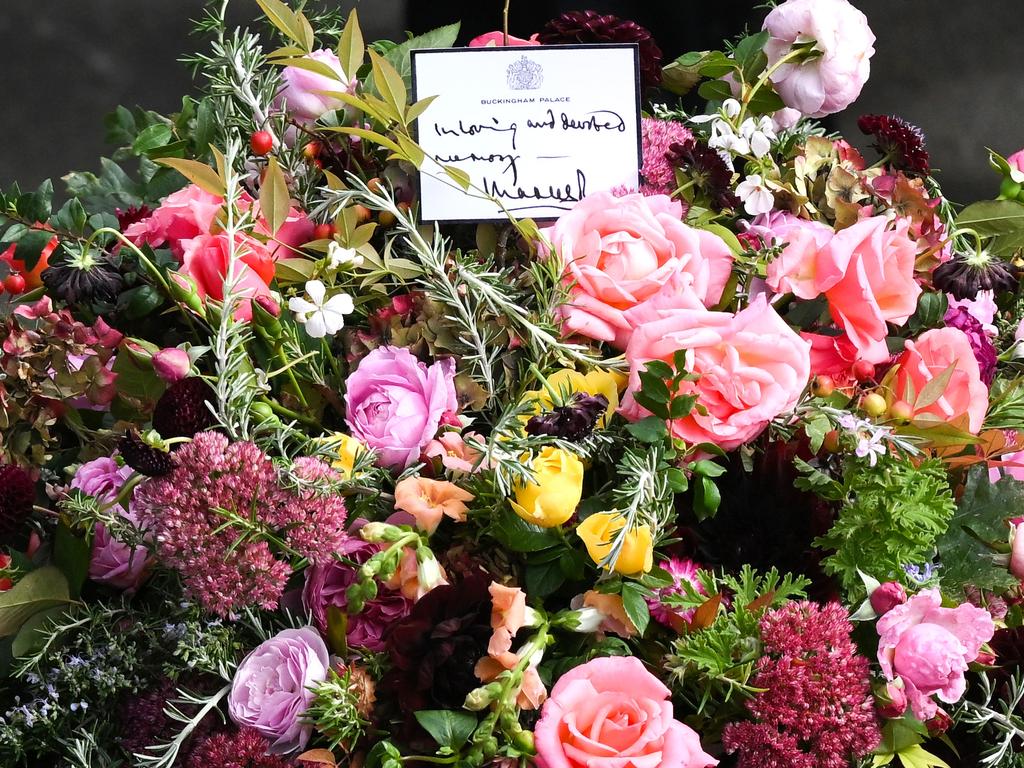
<point>447,728</point>
<point>335,710</point>
<point>911,504</point>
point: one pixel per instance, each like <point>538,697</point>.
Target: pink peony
<point>395,403</point>
<point>497,39</point>
<point>752,367</point>
<point>205,259</point>
<point>182,215</point>
<point>795,269</point>
<point>620,253</point>
<point>926,359</point>
<point>1016,160</point>
<point>301,93</point>
<point>270,690</point>
<point>609,713</point>
<point>831,80</point>
<point>928,647</point>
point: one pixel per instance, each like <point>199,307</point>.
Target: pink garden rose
<point>1016,161</point>
<point>182,215</point>
<point>866,272</point>
<point>926,359</point>
<point>1017,548</point>
<point>928,647</point>
<point>205,259</point>
<point>795,269</point>
<point>301,94</point>
<point>270,690</point>
<point>619,253</point>
<point>612,713</point>
<point>395,403</point>
<point>492,39</point>
<point>831,81</point>
<point>752,367</point>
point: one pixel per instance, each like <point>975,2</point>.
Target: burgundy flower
<point>182,410</point>
<point>984,351</point>
<point>901,143</point>
<point>144,458</point>
<point>573,421</point>
<point>711,174</point>
<point>17,494</point>
<point>594,27</point>
<point>133,214</point>
<point>241,749</point>
<point>965,276</point>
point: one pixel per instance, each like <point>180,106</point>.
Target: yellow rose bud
<point>600,530</point>
<point>348,449</point>
<point>557,488</point>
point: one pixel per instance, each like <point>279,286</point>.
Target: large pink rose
<point>612,713</point>
<point>926,359</point>
<point>302,90</point>
<point>497,39</point>
<point>929,647</point>
<point>205,259</point>
<point>620,252</point>
<point>830,81</point>
<point>182,215</point>
<point>395,404</point>
<point>866,272</point>
<point>752,367</point>
<point>795,269</point>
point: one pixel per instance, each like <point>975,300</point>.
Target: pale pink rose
<point>492,39</point>
<point>301,92</point>
<point>1016,160</point>
<point>795,269</point>
<point>1017,548</point>
<point>182,215</point>
<point>928,647</point>
<point>866,272</point>
<point>205,259</point>
<point>611,713</point>
<point>619,252</point>
<point>831,81</point>
<point>926,359</point>
<point>752,367</point>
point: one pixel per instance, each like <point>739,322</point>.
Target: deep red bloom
<point>182,410</point>
<point>128,217</point>
<point>242,749</point>
<point>17,493</point>
<point>899,141</point>
<point>711,173</point>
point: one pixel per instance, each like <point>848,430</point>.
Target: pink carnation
<point>928,647</point>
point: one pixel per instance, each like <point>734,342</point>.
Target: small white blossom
<point>723,137</point>
<point>338,257</point>
<point>760,134</point>
<point>756,196</point>
<point>731,107</point>
<point>321,318</point>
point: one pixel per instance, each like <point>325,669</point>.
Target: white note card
<point>538,128</point>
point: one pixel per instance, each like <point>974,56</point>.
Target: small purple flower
<point>984,351</point>
<point>681,570</point>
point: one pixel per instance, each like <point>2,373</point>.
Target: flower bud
<point>585,620</point>
<point>378,532</point>
<point>265,314</point>
<point>892,700</point>
<point>939,724</point>
<point>172,364</point>
<point>888,596</point>
<point>184,291</point>
<point>482,697</point>
<point>428,570</point>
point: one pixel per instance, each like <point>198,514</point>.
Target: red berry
<point>262,142</point>
<point>5,584</point>
<point>863,370</point>
<point>15,283</point>
<point>323,232</point>
<point>311,150</point>
<point>823,386</point>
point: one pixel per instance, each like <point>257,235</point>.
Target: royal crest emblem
<point>525,75</point>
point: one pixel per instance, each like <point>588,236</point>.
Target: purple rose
<point>270,691</point>
<point>101,478</point>
<point>326,585</point>
<point>301,93</point>
<point>395,403</point>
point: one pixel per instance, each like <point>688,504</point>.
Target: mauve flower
<point>327,584</point>
<point>270,690</point>
<point>301,94</point>
<point>681,570</point>
<point>172,364</point>
<point>395,403</point>
<point>929,647</point>
<point>984,350</point>
<point>832,78</point>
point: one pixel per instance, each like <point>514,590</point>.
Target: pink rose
<point>866,272</point>
<point>301,94</point>
<point>928,358</point>
<point>620,252</point>
<point>611,712</point>
<point>492,39</point>
<point>928,647</point>
<point>1016,160</point>
<point>1017,548</point>
<point>182,215</point>
<point>395,403</point>
<point>172,364</point>
<point>795,269</point>
<point>205,259</point>
<point>270,690</point>
<point>752,367</point>
<point>831,81</point>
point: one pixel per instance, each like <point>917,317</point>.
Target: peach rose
<point>794,270</point>
<point>609,713</point>
<point>866,272</point>
<point>926,359</point>
<point>620,252</point>
<point>752,367</point>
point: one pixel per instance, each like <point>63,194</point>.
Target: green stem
<point>748,96</point>
<point>287,412</point>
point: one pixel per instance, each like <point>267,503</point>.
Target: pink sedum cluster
<point>928,647</point>
<point>656,138</point>
<point>214,474</point>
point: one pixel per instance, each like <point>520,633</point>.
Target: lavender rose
<point>270,691</point>
<point>326,585</point>
<point>301,93</point>
<point>395,403</point>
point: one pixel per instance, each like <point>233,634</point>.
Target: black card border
<point>638,92</point>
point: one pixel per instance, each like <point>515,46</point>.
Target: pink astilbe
<point>816,710</point>
<point>656,137</point>
<point>190,512</point>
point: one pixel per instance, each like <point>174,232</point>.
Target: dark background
<point>953,68</point>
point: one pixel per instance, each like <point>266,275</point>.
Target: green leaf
<point>399,58</point>
<point>136,381</point>
<point>33,633</point>
<point>542,579</point>
<point>274,198</point>
<point>449,729</point>
<point>351,48</point>
<point>749,54</point>
<point>649,429</point>
<point>282,17</point>
<point>30,247</point>
<point>635,605</point>
<point>199,174</point>
<point>816,428</point>
<point>388,82</point>
<point>37,591</point>
<point>36,206</point>
<point>715,90</point>
<point>71,217</point>
<point>156,135</point>
<point>680,76</point>
<point>934,389</point>
<point>708,498</point>
<point>765,101</point>
<point>71,554</point>
<point>993,217</point>
<point>457,175</point>
<point>337,630</point>
<point>659,369</point>
<point>516,534</point>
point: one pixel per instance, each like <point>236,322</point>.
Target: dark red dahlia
<point>17,494</point>
<point>711,174</point>
<point>899,142</point>
<point>144,458</point>
<point>594,27</point>
<point>133,214</point>
<point>241,749</point>
<point>182,410</point>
